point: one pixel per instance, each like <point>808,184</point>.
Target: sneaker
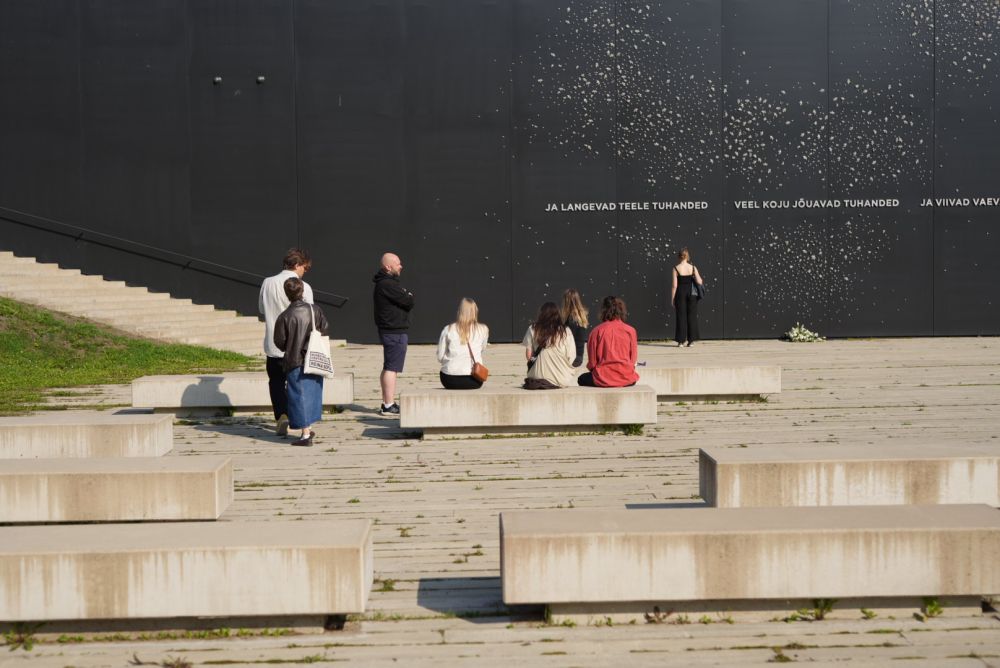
<point>305,442</point>
<point>282,428</point>
<point>389,410</point>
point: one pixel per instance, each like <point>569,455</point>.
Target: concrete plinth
<point>497,409</point>
<point>713,554</point>
<point>224,392</point>
<point>115,490</point>
<point>81,434</point>
<point>709,382</point>
<point>849,475</point>
<point>219,569</point>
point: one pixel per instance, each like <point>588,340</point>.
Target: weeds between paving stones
<point>21,636</point>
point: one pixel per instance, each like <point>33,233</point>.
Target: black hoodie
<point>393,303</point>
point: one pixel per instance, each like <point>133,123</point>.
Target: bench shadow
<point>385,428</point>
<point>666,505</point>
<point>477,599</point>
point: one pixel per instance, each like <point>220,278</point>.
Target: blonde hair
<point>573,308</point>
<point>467,319</point>
<point>683,254</point>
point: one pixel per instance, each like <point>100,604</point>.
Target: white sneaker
<point>282,428</point>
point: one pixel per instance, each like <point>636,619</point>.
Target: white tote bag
<point>318,361</point>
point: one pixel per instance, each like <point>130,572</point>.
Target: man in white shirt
<point>272,303</point>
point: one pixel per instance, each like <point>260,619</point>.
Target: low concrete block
<point>201,569</point>
<point>115,490</point>
<point>727,554</point>
<point>236,391</point>
<point>83,434</point>
<point>438,412</point>
<point>700,383</point>
<point>849,475</point>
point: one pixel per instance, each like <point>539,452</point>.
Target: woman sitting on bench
<point>462,343</point>
<point>612,349</point>
<point>550,351</point>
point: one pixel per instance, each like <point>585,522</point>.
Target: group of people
<point>554,343</point>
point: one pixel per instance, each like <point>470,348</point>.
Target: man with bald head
<point>393,304</point>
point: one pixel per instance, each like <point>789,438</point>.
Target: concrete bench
<point>849,475</point>
<point>81,434</point>
<point>594,563</point>
<point>712,383</point>
<point>187,569</point>
<point>115,490</point>
<point>510,410</point>
<point>221,393</point>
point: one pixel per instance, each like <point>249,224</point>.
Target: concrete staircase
<point>130,309</point>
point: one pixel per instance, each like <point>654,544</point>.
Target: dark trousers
<point>276,386</point>
<point>450,382</point>
<point>686,310</point>
<point>587,380</point>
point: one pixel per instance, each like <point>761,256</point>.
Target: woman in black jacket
<point>291,335</point>
<point>574,316</point>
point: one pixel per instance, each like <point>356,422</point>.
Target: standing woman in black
<point>685,299</point>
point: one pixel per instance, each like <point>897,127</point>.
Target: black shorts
<point>393,350</point>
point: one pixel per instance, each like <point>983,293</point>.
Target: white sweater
<point>272,302</point>
<point>454,355</point>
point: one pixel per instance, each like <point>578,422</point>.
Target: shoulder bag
<point>318,361</point>
<point>479,371</point>
<point>697,289</point>
<point>534,357</point>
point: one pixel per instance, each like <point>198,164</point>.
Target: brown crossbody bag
<point>479,371</point>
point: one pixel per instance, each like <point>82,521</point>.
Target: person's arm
<point>529,345</point>
<point>442,344</point>
<point>486,341</point>
<point>281,333</point>
<point>633,351</point>
<point>592,350</point>
<point>260,299</point>
<point>673,286</point>
<point>697,276</point>
<point>398,295</point>
<point>307,293</point>
<point>321,323</point>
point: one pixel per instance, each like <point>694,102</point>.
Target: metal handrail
<point>152,252</point>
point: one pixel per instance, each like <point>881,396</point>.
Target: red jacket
<point>612,351</point>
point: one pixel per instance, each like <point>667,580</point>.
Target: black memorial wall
<point>832,162</point>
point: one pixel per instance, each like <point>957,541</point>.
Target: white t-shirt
<point>272,302</point>
<point>454,355</point>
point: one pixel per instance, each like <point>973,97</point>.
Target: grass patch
<point>41,350</point>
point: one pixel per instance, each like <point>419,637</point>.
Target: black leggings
<point>686,311</point>
<point>587,380</point>
<point>459,382</point>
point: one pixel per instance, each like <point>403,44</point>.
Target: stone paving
<point>437,598</point>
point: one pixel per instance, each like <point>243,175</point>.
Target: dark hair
<point>613,308</point>
<point>293,289</point>
<point>548,325</point>
<point>295,257</point>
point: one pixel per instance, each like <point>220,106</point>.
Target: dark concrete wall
<point>443,129</point>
